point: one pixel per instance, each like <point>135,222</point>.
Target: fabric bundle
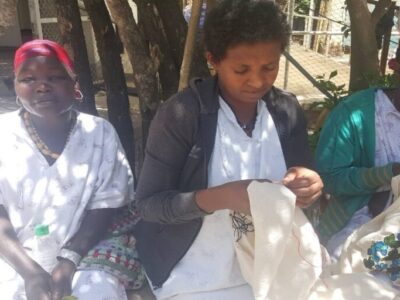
<point>281,258</point>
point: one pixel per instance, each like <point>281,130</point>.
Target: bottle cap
<point>41,230</point>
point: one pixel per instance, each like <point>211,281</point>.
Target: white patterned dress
<point>91,173</point>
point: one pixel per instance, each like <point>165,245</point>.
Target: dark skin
<point>46,90</point>
<point>245,74</point>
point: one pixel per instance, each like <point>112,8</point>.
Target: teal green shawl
<point>345,159</point>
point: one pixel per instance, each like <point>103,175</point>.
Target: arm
<point>113,189</point>
<point>338,158</point>
<point>37,280</point>
<point>171,138</point>
<point>158,198</point>
<point>92,230</point>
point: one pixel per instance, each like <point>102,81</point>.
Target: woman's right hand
<point>38,286</point>
<point>231,195</point>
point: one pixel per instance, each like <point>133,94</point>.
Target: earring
<point>78,95</point>
<point>18,101</point>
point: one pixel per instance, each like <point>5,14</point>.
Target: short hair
<point>234,22</point>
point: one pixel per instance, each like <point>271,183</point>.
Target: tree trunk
<point>70,24</point>
<point>364,50</point>
<point>151,24</point>
<point>144,69</point>
<point>211,4</point>
<point>176,29</point>
<point>113,74</point>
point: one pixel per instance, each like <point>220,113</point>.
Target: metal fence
<point>320,44</point>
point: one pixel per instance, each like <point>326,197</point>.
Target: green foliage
<point>382,81</point>
<point>337,93</point>
<point>346,30</point>
<point>302,6</point>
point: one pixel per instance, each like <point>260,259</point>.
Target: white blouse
<point>91,173</point>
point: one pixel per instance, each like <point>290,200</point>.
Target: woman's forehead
<point>42,64</point>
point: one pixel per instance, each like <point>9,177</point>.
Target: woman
<point>60,168</point>
<point>357,156</point>
<point>207,143</point>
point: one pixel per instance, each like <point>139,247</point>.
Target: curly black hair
<point>233,22</point>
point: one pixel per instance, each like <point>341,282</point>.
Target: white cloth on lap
<point>281,258</point>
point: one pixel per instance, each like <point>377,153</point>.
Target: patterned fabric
<point>117,254</point>
<point>387,126</point>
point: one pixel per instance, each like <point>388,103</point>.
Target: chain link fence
<point>320,44</point>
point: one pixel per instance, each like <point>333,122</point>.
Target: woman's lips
<point>46,101</point>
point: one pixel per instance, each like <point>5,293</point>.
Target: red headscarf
<point>43,48</point>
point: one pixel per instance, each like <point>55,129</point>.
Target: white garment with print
<point>209,270</point>
<point>387,129</point>
<point>91,173</point>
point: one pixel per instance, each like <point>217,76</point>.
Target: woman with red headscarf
<point>61,168</point>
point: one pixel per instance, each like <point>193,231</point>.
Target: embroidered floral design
<point>241,224</point>
<point>383,256</point>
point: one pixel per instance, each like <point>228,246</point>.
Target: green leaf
<point>333,74</point>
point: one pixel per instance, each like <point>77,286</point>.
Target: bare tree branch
<point>381,7</point>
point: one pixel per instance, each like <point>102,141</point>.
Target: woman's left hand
<point>305,184</point>
<point>62,279</point>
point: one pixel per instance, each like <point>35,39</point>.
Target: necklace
<point>248,126</point>
<point>43,148</point>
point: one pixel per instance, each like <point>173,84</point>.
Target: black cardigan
<point>178,150</point>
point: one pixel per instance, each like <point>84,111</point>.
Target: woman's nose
<point>43,85</point>
<point>256,81</point>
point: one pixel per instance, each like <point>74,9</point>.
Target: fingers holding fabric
<point>305,184</point>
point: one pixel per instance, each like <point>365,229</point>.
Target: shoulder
<point>357,106</point>
<point>283,94</point>
<point>284,107</point>
<point>10,121</point>
<point>281,100</point>
<point>198,97</point>
<point>94,125</point>
<point>10,116</point>
<point>181,108</point>
<point>360,99</point>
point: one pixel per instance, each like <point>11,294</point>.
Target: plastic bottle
<point>45,248</point>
